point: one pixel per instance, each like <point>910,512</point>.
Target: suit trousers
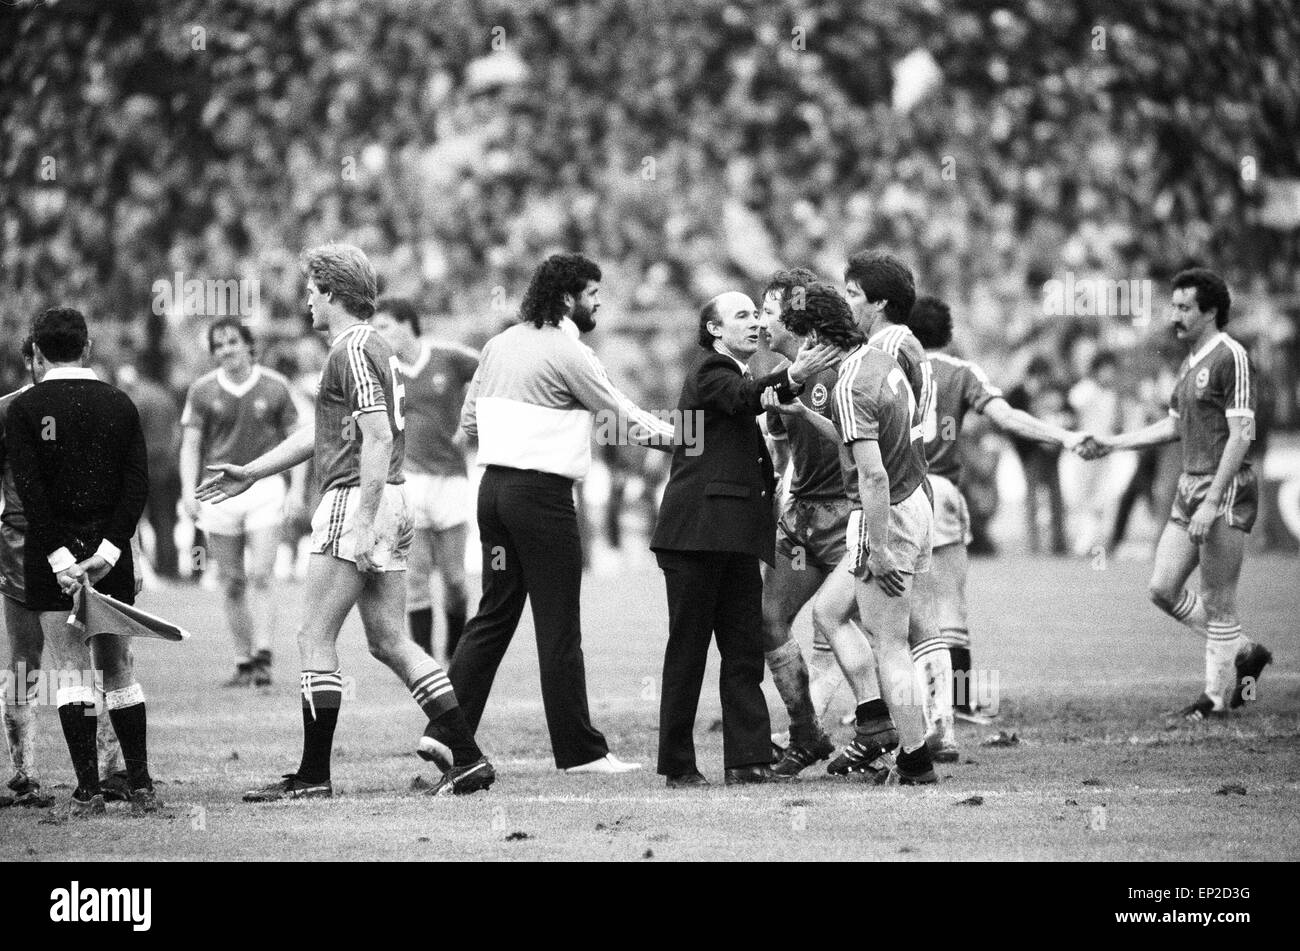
<point>531,549</point>
<point>713,594</point>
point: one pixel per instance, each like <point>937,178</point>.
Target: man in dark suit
<point>715,522</point>
<point>80,468</point>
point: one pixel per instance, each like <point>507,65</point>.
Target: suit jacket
<point>719,494</point>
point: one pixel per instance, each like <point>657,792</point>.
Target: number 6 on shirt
<point>399,395</point>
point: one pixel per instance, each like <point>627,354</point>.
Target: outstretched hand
<point>228,482</point>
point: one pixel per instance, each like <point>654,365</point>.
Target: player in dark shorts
<point>234,414</point>
<point>1212,412</point>
<point>436,376</point>
<point>360,534</point>
<point>961,386</point>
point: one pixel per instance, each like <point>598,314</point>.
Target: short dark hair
<point>402,310</point>
<point>560,274</point>
<point>708,315</point>
<point>826,311</point>
<point>931,322</point>
<point>1211,292</point>
<point>61,334</point>
<point>225,322</point>
<point>884,277</point>
<point>345,272</point>
<point>787,279</point>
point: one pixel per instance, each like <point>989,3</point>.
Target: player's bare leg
<point>228,552</point>
<point>263,546</point>
<point>1232,662</point>
<point>26,644</point>
<point>1177,556</point>
<point>874,731</point>
<point>448,548</point>
<point>786,590</point>
<point>886,620</point>
<point>933,669</point>
<point>447,739</point>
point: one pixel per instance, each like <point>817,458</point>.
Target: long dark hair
<point>558,275</point>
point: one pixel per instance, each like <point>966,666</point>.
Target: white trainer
<point>609,763</point>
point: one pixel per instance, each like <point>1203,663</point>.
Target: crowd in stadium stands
<point>687,145</point>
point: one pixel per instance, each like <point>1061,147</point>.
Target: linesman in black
<point>79,465</point>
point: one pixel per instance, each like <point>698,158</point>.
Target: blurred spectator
<point>1043,396</point>
<point>1095,403</point>
<point>160,418</point>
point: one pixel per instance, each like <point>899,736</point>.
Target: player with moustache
<point>361,534</point>
<point>232,415</point>
<point>1212,413</point>
<point>715,525</point>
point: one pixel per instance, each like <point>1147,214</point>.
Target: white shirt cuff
<point>61,560</point>
<point>109,552</point>
<point>797,387</point>
<point>1244,413</point>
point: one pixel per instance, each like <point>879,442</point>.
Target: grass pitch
<point>1085,669</point>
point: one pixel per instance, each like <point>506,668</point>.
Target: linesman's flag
<point>96,613</point>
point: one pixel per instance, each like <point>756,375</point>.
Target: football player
<point>810,543</point>
<point>1212,412</point>
<point>233,415</point>
<point>437,474</point>
<point>361,534</point>
<point>960,386</point>
<point>889,531</point>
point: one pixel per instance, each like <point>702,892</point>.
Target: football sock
<point>871,710</point>
<point>432,691</point>
<point>959,655</point>
<point>77,716</point>
<point>1189,610</point>
<point>790,674</point>
<point>322,695</point>
<point>127,711</point>
<point>20,731</point>
<point>824,678</point>
<point>421,620</point>
<point>455,627</point>
<point>1220,660</point>
<point>935,666</point>
<point>110,751</point>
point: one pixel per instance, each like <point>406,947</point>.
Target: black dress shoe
<point>759,773</point>
<point>685,780</point>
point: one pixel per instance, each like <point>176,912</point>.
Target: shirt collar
<point>569,327</point>
<point>69,373</point>
<point>717,345</point>
<point>1199,355</point>
<point>350,328</point>
<point>239,389</point>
